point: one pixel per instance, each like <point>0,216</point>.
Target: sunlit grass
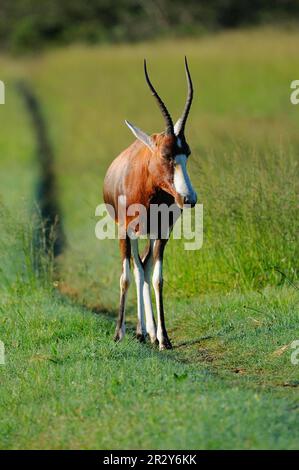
<point>231,308</point>
<point>67,385</point>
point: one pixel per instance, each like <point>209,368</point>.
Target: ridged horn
<point>168,121</point>
<point>179,127</point>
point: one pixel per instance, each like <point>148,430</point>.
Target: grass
<point>232,315</point>
<point>67,385</point>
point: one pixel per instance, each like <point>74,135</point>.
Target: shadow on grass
<point>49,235</point>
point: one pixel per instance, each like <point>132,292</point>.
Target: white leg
<point>164,342</point>
<point>124,286</point>
<point>139,280</point>
<point>157,280</point>
<point>148,307</point>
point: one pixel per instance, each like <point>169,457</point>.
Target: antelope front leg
<point>164,342</point>
<point>148,307</point>
<point>139,280</point>
<point>125,250</point>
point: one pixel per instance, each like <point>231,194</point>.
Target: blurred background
<point>27,25</point>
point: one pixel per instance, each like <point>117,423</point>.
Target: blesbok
<point>152,171</point>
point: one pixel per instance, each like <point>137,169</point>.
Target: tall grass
<point>251,218</point>
<point>26,250</point>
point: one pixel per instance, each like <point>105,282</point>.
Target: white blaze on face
<point>182,181</point>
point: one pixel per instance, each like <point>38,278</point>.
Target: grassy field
<point>232,315</point>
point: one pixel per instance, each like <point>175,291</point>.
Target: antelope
<point>150,171</point>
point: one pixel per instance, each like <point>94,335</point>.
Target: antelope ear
<point>142,136</point>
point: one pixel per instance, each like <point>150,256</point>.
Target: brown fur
<point>143,176</point>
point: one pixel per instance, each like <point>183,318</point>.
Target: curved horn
<point>180,124</point>
<point>164,111</point>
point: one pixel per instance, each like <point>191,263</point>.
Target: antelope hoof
<point>140,337</point>
<point>140,333</point>
<point>152,335</point>
<point>165,344</point>
<point>154,339</point>
<point>119,334</point>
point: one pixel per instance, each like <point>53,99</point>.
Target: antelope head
<point>169,150</point>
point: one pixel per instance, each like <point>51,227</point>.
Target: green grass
<point>67,385</point>
<point>229,382</point>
